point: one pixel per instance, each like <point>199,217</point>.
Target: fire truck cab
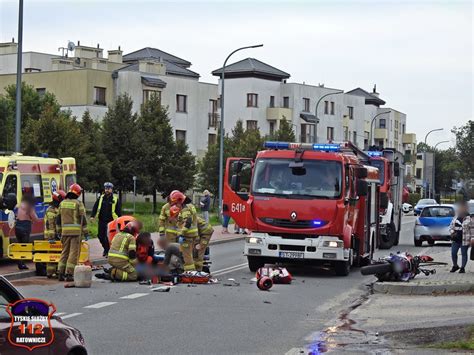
<point>305,203</point>
<point>38,176</point>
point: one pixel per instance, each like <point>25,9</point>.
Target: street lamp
<point>372,125</point>
<point>221,126</point>
<point>18,78</point>
<point>433,130</point>
<point>315,137</point>
<point>440,143</point>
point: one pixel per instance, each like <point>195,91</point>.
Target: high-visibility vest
<point>204,228</point>
<point>73,218</point>
<point>50,226</point>
<point>121,245</point>
<point>165,225</point>
<point>187,220</point>
<point>114,203</point>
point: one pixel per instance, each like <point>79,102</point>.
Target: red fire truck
<point>307,203</point>
<point>391,166</point>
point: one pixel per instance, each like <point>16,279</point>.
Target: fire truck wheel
<point>342,268</point>
<point>255,263</point>
<point>388,240</point>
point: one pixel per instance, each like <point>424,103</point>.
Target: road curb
<point>407,288</point>
<point>102,261</point>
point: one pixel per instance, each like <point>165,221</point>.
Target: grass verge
<point>464,344</point>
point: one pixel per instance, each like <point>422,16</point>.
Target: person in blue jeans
<point>458,241</point>
<point>225,223</point>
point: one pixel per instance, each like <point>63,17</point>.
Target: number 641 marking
<point>237,207</point>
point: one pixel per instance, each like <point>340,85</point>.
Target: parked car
<point>407,208</point>
<point>470,204</point>
<point>422,203</point>
<point>433,224</point>
<point>67,340</point>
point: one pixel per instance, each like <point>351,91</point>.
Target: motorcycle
<point>400,267</point>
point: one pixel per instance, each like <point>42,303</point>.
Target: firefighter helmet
<point>174,211</point>
<point>75,189</point>
<point>177,197</point>
<point>59,195</point>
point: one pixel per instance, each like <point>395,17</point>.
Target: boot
<point>61,277</point>
<point>103,276</point>
<point>69,278</point>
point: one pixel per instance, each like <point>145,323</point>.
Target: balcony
<point>409,138</point>
<point>381,133</point>
<point>213,120</point>
<point>279,113</point>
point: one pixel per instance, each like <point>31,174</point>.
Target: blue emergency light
<point>305,146</point>
<point>317,223</point>
<point>374,153</point>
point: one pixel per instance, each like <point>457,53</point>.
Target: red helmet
<point>75,189</point>
<point>59,195</point>
<point>174,211</point>
<point>177,197</point>
<point>133,227</point>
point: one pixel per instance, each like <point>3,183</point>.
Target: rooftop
<point>370,99</point>
<point>251,67</point>
<point>155,53</point>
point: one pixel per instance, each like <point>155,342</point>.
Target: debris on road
<point>161,289</point>
<point>267,302</point>
<point>231,282</point>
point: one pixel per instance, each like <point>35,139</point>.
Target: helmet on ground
<point>133,227</point>
<point>75,189</point>
<point>174,211</point>
<point>108,185</point>
<point>177,197</point>
<point>264,283</point>
<point>59,195</point>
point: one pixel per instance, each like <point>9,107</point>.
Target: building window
<point>272,101</point>
<point>326,107</point>
<point>147,95</point>
<point>212,139</point>
<point>32,70</point>
<point>382,123</point>
<point>41,91</point>
<point>366,140</point>
<point>418,173</point>
<point>272,127</point>
<point>354,137</point>
<point>252,125</point>
<point>403,129</point>
<point>99,96</point>
<point>286,101</point>
<point>181,103</point>
<point>181,135</point>
<point>306,104</point>
<point>306,130</point>
<point>350,111</point>
<point>252,100</point>
<point>330,133</point>
<point>332,107</point>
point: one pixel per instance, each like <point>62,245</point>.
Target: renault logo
<point>293,216</point>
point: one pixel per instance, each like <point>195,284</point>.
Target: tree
<point>284,133</point>
<point>93,167</point>
<point>465,148</point>
<point>447,168</point>
<point>121,142</point>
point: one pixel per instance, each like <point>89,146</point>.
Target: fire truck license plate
<point>291,255</point>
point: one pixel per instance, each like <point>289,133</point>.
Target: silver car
<point>433,224</point>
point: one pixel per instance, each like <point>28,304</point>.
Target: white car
<point>407,208</point>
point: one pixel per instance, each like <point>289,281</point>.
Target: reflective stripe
<point>114,203</point>
<point>189,267</point>
<point>173,231</point>
<point>124,275</point>
<point>68,205</point>
<point>122,246</point>
<point>125,257</point>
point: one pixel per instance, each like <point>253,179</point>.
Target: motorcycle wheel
<point>376,269</point>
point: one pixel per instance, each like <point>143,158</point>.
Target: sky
<point>419,53</point>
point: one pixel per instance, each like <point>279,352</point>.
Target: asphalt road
<point>127,318</point>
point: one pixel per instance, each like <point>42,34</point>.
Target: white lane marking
<point>229,271</point>
<point>100,305</point>
<point>230,267</point>
<point>133,296</point>
<point>59,313</point>
<point>71,315</point>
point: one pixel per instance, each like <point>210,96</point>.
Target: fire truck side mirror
<point>383,200</point>
<point>362,188</point>
<point>235,183</point>
<point>361,173</point>
<point>396,169</point>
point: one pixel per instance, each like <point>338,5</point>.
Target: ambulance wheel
<point>255,263</point>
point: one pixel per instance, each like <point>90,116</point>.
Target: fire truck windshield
<point>317,178</point>
<point>379,164</point>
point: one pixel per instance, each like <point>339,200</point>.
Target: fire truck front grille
<point>292,247</point>
<point>292,236</point>
<point>286,223</point>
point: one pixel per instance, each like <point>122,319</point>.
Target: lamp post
<point>315,137</point>
<point>18,78</point>
<point>372,125</point>
<point>134,193</point>
<point>221,126</point>
<point>434,166</point>
<point>440,143</point>
<point>433,130</point>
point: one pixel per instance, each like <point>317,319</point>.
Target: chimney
<point>374,91</point>
<point>115,55</point>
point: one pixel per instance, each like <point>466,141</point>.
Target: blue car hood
<point>435,221</point>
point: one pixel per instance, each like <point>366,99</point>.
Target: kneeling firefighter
<point>52,231</point>
<point>123,253</point>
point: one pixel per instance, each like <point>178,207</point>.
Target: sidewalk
<point>9,268</point>
<point>441,282</point>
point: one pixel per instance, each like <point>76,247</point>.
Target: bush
<point>413,198</point>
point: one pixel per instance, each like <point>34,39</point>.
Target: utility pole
<point>18,78</point>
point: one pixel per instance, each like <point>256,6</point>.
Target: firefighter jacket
<point>107,208</point>
<point>51,229</point>
<point>72,218</point>
<point>203,227</point>
<point>187,221</point>
<point>122,244</point>
<point>165,225</point>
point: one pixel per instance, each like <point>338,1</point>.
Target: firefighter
<point>52,232</point>
<point>166,224</point>
<point>72,221</point>
<point>107,208</point>
<point>188,230</point>
<point>205,231</point>
<point>123,253</point>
